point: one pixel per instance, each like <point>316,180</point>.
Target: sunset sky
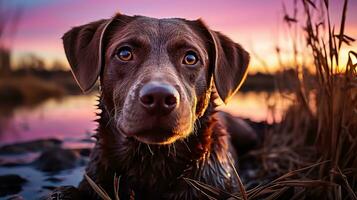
<point>256,24</point>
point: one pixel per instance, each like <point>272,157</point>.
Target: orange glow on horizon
<point>256,26</point>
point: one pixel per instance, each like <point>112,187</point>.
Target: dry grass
<point>99,190</point>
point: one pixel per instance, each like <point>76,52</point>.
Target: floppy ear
<point>228,60</point>
<point>230,65</point>
<point>83,47</point>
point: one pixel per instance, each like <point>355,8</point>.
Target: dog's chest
<point>162,172</point>
<point>170,179</point>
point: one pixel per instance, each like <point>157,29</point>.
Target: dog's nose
<point>158,98</point>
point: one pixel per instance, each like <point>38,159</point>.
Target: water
<point>71,120</point>
<point>258,106</point>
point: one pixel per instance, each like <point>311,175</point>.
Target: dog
<point>158,126</point>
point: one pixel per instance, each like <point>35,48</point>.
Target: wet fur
<point>158,172</point>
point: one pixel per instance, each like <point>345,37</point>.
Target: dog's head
<point>156,74</point>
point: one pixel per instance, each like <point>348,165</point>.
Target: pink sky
<point>255,23</point>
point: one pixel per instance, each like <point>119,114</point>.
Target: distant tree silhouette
<point>57,65</point>
<point>5,58</point>
<point>9,19</point>
<point>31,62</point>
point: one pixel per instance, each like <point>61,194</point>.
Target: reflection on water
<point>258,106</point>
<point>69,118</point>
<point>72,117</point>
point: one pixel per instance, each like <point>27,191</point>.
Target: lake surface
<point>69,118</point>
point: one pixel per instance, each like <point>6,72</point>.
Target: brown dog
<point>158,124</point>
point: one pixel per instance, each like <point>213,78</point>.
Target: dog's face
<point>155,74</point>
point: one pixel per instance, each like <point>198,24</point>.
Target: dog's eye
<point>124,54</point>
<point>190,58</point>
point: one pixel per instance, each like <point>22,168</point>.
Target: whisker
<point>138,149</point>
<point>110,117</point>
<point>174,149</point>
<point>195,128</point>
<point>168,153</point>
<point>152,153</point>
<point>186,145</point>
<point>199,123</point>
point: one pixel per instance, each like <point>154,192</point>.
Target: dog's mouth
<point>157,138</point>
<point>153,135</point>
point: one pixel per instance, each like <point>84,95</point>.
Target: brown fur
<point>153,153</point>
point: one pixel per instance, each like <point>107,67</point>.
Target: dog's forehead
<point>166,24</point>
<point>163,29</point>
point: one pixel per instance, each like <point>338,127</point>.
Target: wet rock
<point>49,187</point>
<point>57,159</point>
<point>32,146</point>
<point>65,192</point>
<point>12,164</point>
<point>85,152</point>
<point>11,184</point>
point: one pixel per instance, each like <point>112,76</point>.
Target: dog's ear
<point>231,64</point>
<point>84,47</point>
<point>228,62</point>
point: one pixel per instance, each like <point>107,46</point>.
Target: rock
<point>57,159</point>
<point>65,192</point>
<point>85,152</point>
<point>12,164</point>
<point>49,187</point>
<point>11,184</point>
<point>31,146</point>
